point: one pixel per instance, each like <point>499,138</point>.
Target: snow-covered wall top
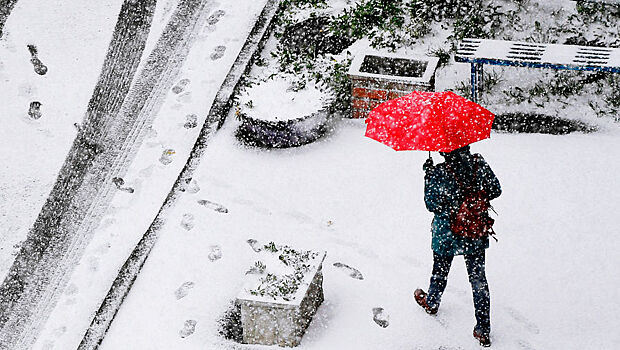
<point>281,275</point>
<point>395,67</point>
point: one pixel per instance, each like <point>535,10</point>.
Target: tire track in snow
<point>148,92</point>
<point>6,6</point>
<point>34,275</point>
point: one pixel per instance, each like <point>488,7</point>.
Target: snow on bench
<point>479,52</point>
<point>601,1</point>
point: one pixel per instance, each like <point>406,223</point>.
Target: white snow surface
<point>552,275</point>
<point>277,101</point>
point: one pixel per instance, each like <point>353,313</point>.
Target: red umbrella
<point>429,121</point>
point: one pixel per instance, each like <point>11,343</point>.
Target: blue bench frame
<point>477,64</point>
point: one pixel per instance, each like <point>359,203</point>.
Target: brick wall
<point>368,93</point>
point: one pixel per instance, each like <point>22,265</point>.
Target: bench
<point>601,1</point>
<point>479,52</point>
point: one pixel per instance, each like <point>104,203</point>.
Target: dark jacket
<point>443,195</point>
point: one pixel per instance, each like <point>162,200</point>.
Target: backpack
<point>472,219</point>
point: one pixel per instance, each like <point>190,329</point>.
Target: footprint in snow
<point>191,121</point>
<point>166,156</point>
<point>146,172</point>
<point>150,133</point>
<point>300,217</point>
<point>93,263</point>
<point>60,331</point>
<point>525,345</point>
<point>107,223</point>
<point>38,66</point>
<point>34,111</point>
<point>252,205</point>
<point>183,290</point>
<point>213,206</point>
<point>216,253</point>
<point>353,272</point>
<point>215,17</point>
<point>188,328</point>
<point>119,182</point>
<point>380,317</point>
<point>103,248</point>
<point>191,186</point>
<point>180,86</point>
<point>218,52</point>
<point>187,222</point>
<point>255,245</point>
<point>72,289</point>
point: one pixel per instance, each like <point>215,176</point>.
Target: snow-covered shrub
<point>404,24</point>
<point>281,272</point>
<point>465,18</point>
<point>378,20</point>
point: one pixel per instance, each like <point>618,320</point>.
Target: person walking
<point>446,186</point>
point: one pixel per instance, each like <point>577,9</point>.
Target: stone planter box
<point>268,322</point>
<point>283,133</point>
<point>378,77</point>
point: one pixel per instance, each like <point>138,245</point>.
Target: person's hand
<point>428,165</point>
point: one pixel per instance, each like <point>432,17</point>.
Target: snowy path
<point>108,139</point>
<point>63,226</point>
<point>157,163</point>
<point>363,203</point>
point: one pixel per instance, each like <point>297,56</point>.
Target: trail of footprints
<point>187,221</point>
<point>351,271</point>
<point>379,315</point>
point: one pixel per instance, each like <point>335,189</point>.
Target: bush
<point>378,20</point>
<point>393,24</point>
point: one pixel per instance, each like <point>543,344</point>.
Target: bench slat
<point>523,54</point>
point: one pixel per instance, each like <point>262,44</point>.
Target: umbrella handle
<point>429,162</point>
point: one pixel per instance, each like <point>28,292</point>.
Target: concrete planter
<point>378,77</point>
<point>280,322</point>
<point>296,132</point>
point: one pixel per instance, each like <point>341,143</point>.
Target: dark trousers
<point>477,278</point>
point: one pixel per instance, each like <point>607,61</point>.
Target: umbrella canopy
<point>429,121</point>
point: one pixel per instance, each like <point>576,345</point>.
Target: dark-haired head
<point>462,152</point>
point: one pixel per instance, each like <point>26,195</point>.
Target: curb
<point>6,6</point>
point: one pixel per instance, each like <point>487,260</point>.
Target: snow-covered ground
<point>33,150</point>
<point>552,274</point>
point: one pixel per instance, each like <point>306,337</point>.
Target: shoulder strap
<point>459,181</point>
